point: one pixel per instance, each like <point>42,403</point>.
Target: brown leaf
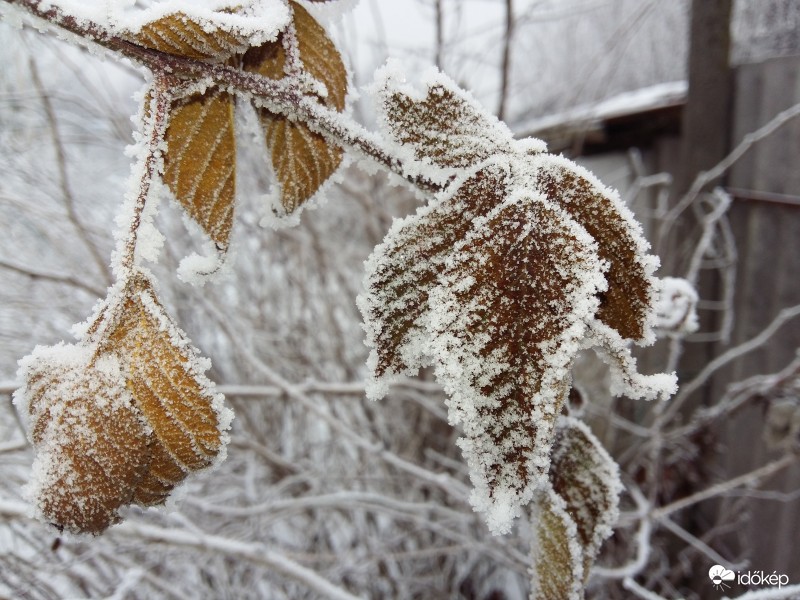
<point>508,316</point>
<point>200,162</point>
<point>446,127</point>
<point>168,387</point>
<point>91,442</point>
<point>587,478</point>
<point>411,259</point>
<point>180,35</point>
<point>302,159</point>
<point>627,305</point>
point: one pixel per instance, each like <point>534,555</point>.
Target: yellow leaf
<point>179,34</point>
<point>92,445</point>
<point>167,384</point>
<point>200,162</point>
<point>302,159</point>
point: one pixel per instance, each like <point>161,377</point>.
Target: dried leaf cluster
<point>523,259</point>
<point>126,414</point>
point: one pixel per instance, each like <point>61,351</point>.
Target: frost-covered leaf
<point>301,159</point>
<point>199,31</point>
<point>627,304</point>
<point>91,442</point>
<point>444,126</point>
<point>200,161</point>
<point>406,266</point>
<point>587,478</point>
<point>557,572</point>
<point>573,513</point>
<point>179,34</point>
<point>165,377</point>
<point>507,319</point>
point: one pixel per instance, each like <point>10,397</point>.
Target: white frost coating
<point>257,21</point>
<point>69,388</point>
<point>427,299</point>
<point>464,369</point>
<point>649,263</point>
<point>676,313</point>
<point>475,136</point>
<point>625,379</point>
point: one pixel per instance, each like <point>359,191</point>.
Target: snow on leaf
<point>91,442</point>
<point>165,377</point>
<point>200,161</point>
<point>301,159</point>
<point>507,319</point>
<point>202,31</point>
<point>587,478</point>
<point>181,35</point>
<point>405,267</point>
<point>446,127</point>
<point>627,304</point>
<point>557,572</point>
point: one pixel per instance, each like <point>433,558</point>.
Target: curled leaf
<point>91,441</point>
<point>165,377</point>
<point>557,572</point>
<point>301,159</point>
<point>587,478</point>
<point>200,161</point>
<point>573,513</point>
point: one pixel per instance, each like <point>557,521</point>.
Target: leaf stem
<point>156,125</point>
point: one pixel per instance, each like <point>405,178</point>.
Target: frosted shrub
<point>518,260</point>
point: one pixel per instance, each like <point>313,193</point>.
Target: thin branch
<point>630,585</point>
<point>720,361</point>
<point>705,177</point>
<point>747,479</point>
<point>505,69</point>
<point>65,279</point>
<point>63,173</point>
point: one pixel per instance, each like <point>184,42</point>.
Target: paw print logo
<point>719,575</point>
